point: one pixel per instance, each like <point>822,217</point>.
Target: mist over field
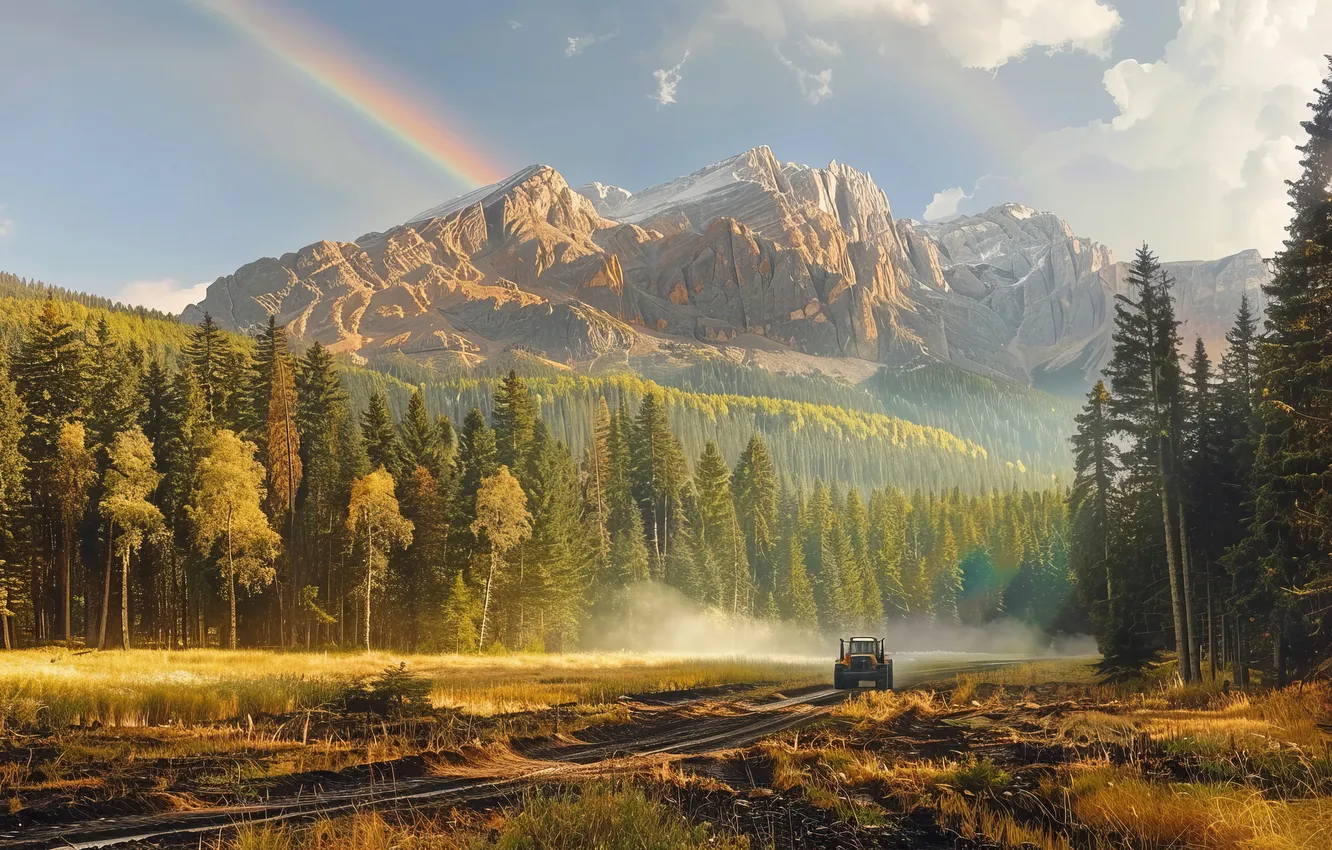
<point>652,617</point>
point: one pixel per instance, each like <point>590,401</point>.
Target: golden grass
<point>598,816</point>
<point>55,688</point>
<point>1119,801</point>
<point>887,706</point>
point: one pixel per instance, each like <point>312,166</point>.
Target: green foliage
<point>395,690</point>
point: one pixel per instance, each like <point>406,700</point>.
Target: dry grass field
<point>53,688</point>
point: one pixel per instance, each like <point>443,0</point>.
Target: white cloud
<point>580,43</point>
<point>668,80</point>
<point>945,204</point>
<point>166,295</point>
<point>815,87</point>
<point>977,33</point>
<point>815,46</point>
<point>1195,159</point>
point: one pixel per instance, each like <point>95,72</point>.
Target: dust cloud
<point>651,617</point>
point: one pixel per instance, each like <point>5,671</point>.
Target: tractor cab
<point>861,663</point>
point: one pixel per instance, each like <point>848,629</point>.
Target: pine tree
<point>283,446</point>
<point>416,575</point>
<point>420,439</point>
<point>597,476</point>
<point>208,353</point>
<point>888,514</point>
<point>756,492</point>
<point>1095,466</point>
<point>658,471</point>
<point>795,593</point>
<point>48,372</point>
<point>381,438</point>
<point>475,462</point>
<point>1147,406</point>
<point>1283,567</point>
<point>719,532</point>
<point>558,550</point>
<point>459,626</point>
<point>514,421</point>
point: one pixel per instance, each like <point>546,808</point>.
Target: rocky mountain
<point>747,254</point>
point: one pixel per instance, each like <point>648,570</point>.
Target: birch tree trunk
<point>485,601</point>
<point>369,578</point>
<point>231,585</point>
<point>106,585</point>
<point>124,599</point>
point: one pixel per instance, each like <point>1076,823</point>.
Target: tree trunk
<point>369,578</point>
<point>231,586</point>
<point>65,593</point>
<point>106,585</point>
<point>124,600</point>
<point>1172,566</point>
<point>1211,629</point>
<point>1190,621</point>
<point>1279,650</point>
<point>485,603</point>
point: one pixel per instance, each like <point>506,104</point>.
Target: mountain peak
<point>486,194</point>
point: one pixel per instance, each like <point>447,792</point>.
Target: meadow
<point>54,688</point>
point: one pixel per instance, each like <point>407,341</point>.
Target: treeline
<point>241,497</point>
<point>1202,505</point>
<point>20,288</point>
<point>809,440</point>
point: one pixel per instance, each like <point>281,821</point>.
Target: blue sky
<point>149,147</point>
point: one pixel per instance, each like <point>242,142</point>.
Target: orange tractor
<point>862,664</point>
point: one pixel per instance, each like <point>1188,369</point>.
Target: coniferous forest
<point>179,487</point>
<point>1201,519</point>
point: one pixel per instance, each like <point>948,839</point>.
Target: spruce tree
<point>719,532</point>
<point>514,421</point>
<point>1147,407</point>
<point>756,492</point>
<point>381,438</point>
<point>1283,563</point>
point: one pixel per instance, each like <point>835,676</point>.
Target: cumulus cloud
<point>977,33</point>
<point>580,43</point>
<point>815,87</point>
<point>945,204</point>
<point>167,295</point>
<point>1195,158</point>
<point>668,80</point>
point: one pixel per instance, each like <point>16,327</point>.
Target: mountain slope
<point>747,253</point>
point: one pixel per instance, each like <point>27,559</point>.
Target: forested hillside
<point>183,486</point>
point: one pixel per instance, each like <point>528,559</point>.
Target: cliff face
<point>744,250</point>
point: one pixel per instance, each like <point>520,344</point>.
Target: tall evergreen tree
<point>1282,567</point>
<point>514,421</point>
<point>381,438</point>
<point>756,495</point>
<point>1147,407</point>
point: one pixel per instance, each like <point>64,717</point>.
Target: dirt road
<point>492,772</point>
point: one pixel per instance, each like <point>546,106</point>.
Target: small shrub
<point>977,776</point>
<point>393,691</point>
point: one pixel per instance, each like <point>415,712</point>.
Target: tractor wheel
<point>886,681</point>
<point>837,679</point>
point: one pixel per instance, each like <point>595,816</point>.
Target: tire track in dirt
<point>497,774</point>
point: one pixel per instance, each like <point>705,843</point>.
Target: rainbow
<point>334,66</point>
